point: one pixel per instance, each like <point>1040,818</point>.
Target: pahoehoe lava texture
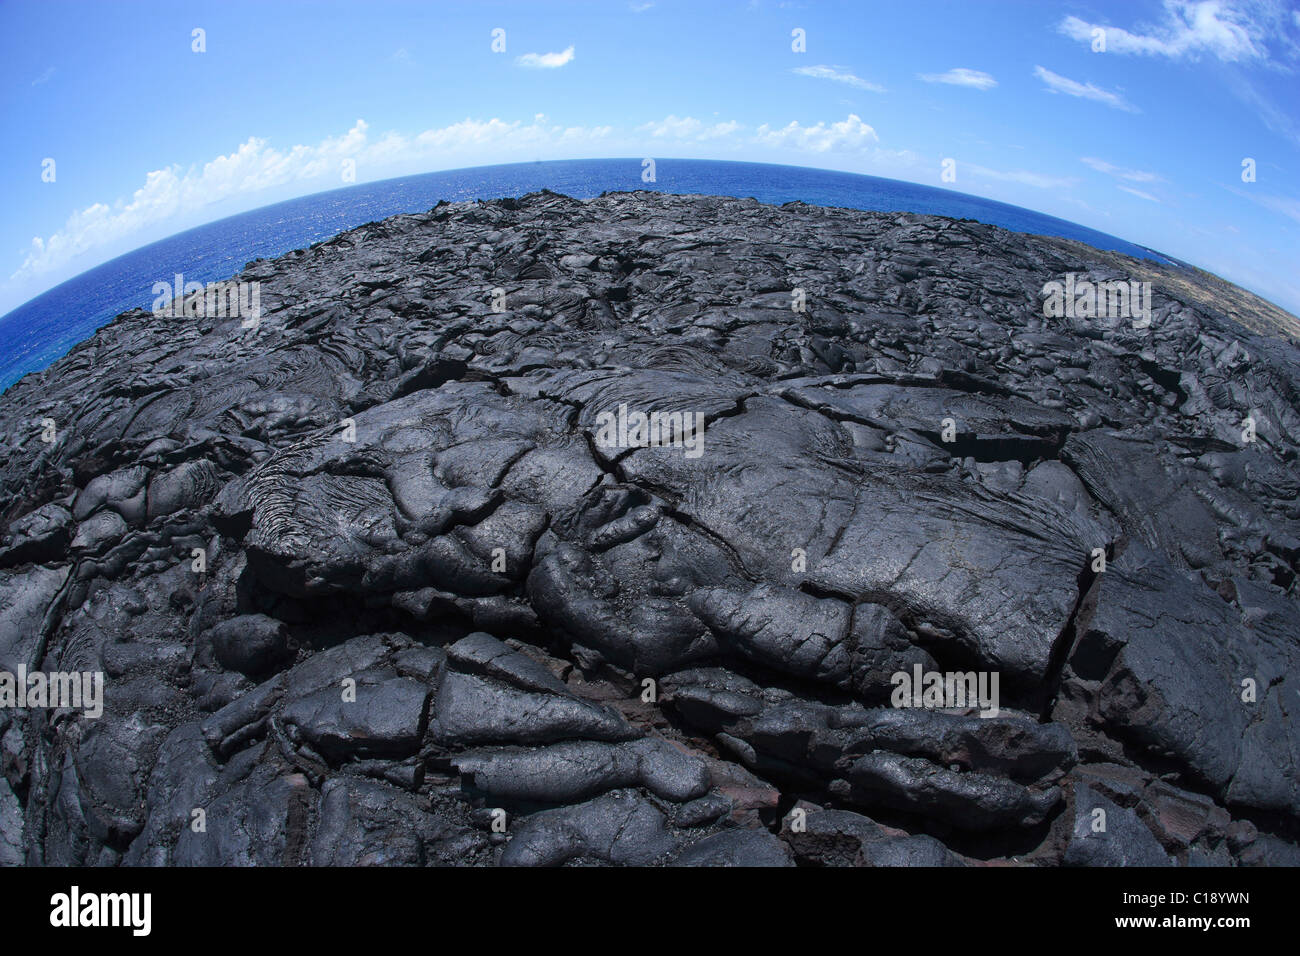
<point>400,641</point>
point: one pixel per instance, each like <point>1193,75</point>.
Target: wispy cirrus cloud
<point>1247,34</point>
<point>1281,119</point>
<point>1282,205</point>
<point>1063,84</point>
<point>960,76</point>
<point>838,75</point>
<point>1228,31</point>
<point>1023,176</point>
<point>1139,193</point>
<point>1119,172</point>
<point>546,61</point>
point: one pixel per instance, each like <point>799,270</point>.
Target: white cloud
<point>639,7</point>
<point>672,127</point>
<point>1119,172</point>
<point>255,165</point>
<point>1061,84</point>
<point>852,133</point>
<point>839,76</point>
<point>687,127</point>
<point>1219,28</point>
<point>720,130</point>
<point>546,61</point>
<point>1139,193</point>
<point>174,194</point>
<point>960,76</point>
<point>1243,32</point>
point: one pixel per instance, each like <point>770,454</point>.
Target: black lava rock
<point>394,574</point>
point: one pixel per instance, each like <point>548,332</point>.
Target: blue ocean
<point>36,334</point>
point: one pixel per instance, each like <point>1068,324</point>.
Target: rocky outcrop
<point>393,574</point>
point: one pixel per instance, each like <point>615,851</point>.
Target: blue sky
<point>1144,140</point>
